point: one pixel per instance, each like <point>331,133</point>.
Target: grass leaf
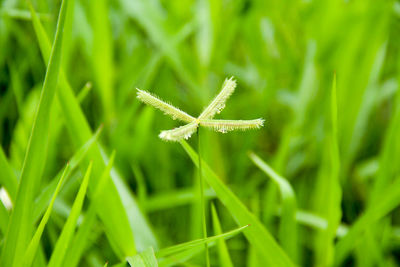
<point>33,245</point>
<point>20,226</point>
<point>224,258</point>
<point>67,232</point>
<point>146,258</point>
<point>288,225</point>
<point>257,235</point>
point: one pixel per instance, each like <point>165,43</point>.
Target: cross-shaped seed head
<point>205,119</point>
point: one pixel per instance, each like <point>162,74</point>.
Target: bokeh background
<point>284,56</point>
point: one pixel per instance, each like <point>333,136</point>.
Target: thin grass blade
<point>288,224</point>
<point>7,177</point>
<point>146,258</point>
<point>67,232</point>
<point>20,226</point>
<point>257,234</point>
<point>199,242</point>
<point>118,200</point>
<point>224,258</point>
<point>33,245</point>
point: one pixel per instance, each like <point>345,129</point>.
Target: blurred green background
<point>284,55</point>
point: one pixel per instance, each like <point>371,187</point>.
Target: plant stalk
<point>202,199</point>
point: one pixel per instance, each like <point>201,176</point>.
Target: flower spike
<point>218,104</point>
<point>205,118</point>
<point>183,132</point>
<point>225,126</point>
<point>168,109</point>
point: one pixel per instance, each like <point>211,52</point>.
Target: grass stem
<point>202,199</point>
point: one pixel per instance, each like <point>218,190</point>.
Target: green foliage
<point>321,185</point>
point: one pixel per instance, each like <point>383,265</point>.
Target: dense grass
<point>91,182</point>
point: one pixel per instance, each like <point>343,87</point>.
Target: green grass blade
<point>328,188</point>
<point>146,258</point>
<point>103,48</point>
<point>43,199</point>
<point>33,245</point>
<point>199,242</point>
<point>20,226</point>
<point>389,200</point>
<point>118,200</point>
<point>224,258</point>
<point>5,217</point>
<point>80,241</point>
<point>67,232</point>
<point>288,225</point>
<point>7,177</point>
<point>257,235</point>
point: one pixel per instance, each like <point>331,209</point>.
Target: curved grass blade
<point>5,217</point>
<point>20,226</point>
<point>224,258</point>
<point>67,232</point>
<point>218,103</point>
<point>33,245</point>
<point>288,226</point>
<point>232,125</point>
<point>168,109</point>
<point>79,243</point>
<point>118,200</point>
<point>257,235</point>
<point>43,199</point>
<point>390,199</point>
<point>146,258</point>
<point>7,177</point>
<point>328,189</point>
<point>199,242</point>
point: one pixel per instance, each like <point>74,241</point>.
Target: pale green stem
<point>202,199</point>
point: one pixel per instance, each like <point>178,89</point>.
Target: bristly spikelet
<point>168,109</point>
<point>205,118</point>
<point>225,126</point>
<point>183,132</point>
<point>218,103</point>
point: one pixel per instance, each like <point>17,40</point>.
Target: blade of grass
<point>174,198</point>
<point>389,200</point>
<point>5,217</point>
<point>288,225</point>
<point>118,200</point>
<point>202,199</point>
<point>67,232</point>
<point>43,199</point>
<point>224,258</point>
<point>7,177</point>
<point>80,241</point>
<point>146,258</point>
<point>199,242</point>
<point>328,188</point>
<point>33,245</point>
<point>20,226</point>
<point>257,235</point>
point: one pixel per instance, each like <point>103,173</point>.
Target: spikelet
<point>225,126</point>
<point>218,104</point>
<point>183,132</point>
<point>168,109</point>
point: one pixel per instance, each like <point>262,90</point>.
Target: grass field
<point>85,179</point>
